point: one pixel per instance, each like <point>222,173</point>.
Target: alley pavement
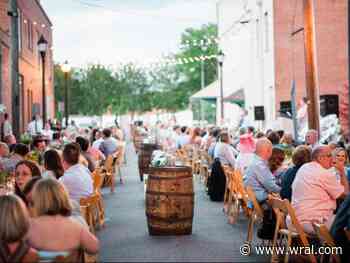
<point>125,237</point>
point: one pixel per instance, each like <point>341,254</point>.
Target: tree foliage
<point>133,89</point>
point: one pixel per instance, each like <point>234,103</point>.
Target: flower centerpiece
<point>34,156</point>
<point>26,139</point>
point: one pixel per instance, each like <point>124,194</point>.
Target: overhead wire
<point>132,13</point>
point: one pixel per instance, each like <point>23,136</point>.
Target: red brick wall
<point>332,48</point>
<point>29,64</point>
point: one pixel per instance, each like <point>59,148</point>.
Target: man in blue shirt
<point>258,175</point>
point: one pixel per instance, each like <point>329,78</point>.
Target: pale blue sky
<point>124,30</point>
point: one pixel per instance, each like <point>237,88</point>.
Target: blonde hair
<point>14,219</point>
<point>338,150</point>
<point>51,198</point>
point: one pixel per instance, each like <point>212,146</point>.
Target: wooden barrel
<point>145,156</point>
<point>170,201</point>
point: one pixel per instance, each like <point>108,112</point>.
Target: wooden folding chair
<point>239,197</point>
<point>282,209</point>
<point>256,214</point>
<point>93,211</point>
<point>109,168</point>
<point>98,178</point>
<point>188,149</point>
<point>203,167</point>
<point>98,181</point>
<point>227,171</point>
<point>196,160</point>
<point>120,157</point>
<point>326,240</point>
<point>207,163</point>
<point>86,213</point>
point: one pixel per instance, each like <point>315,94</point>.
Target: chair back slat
<point>109,164</point>
<point>326,239</point>
<point>252,198</point>
<point>323,234</point>
<point>97,177</point>
<point>283,208</point>
<point>278,204</point>
<point>92,213</point>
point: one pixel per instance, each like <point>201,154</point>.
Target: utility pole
<point>13,13</point>
<point>66,114</point>
<point>349,62</point>
<point>311,66</point>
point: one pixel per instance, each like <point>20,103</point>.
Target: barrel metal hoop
<point>168,178</point>
<point>169,220</point>
<point>169,193</point>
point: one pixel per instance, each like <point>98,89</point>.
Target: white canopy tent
<point>212,92</point>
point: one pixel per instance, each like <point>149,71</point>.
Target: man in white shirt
<point>7,127</point>
<point>183,139</point>
<point>315,190</point>
<point>76,178</point>
<point>35,127</point>
<point>302,116</point>
<point>99,139</point>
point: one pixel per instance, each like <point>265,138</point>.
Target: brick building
<point>33,22</point>
<point>264,57</point>
<point>332,43</point>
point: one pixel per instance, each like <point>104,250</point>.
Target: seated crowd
<point>49,182</point>
<point>313,176</point>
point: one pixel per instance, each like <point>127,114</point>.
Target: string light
<point>159,64</point>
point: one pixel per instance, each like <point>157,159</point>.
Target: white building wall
<point>246,38</point>
<point>235,68</point>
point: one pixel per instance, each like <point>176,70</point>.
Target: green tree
<point>192,71</point>
<point>131,89</point>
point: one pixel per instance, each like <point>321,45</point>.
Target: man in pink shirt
<point>315,190</point>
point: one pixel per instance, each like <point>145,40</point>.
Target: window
<point>21,100</point>
<point>30,35</point>
<point>19,22</point>
<point>37,51</point>
<point>267,32</point>
<point>29,104</point>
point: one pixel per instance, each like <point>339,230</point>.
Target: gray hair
<point>318,151</point>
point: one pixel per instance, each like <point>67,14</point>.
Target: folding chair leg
<point>274,256</point>
<point>101,212</point>
<point>120,174</point>
<point>288,245</point>
<point>232,212</point>
<point>250,229</point>
<point>112,183</point>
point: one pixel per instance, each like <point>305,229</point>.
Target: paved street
<point>125,237</point>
